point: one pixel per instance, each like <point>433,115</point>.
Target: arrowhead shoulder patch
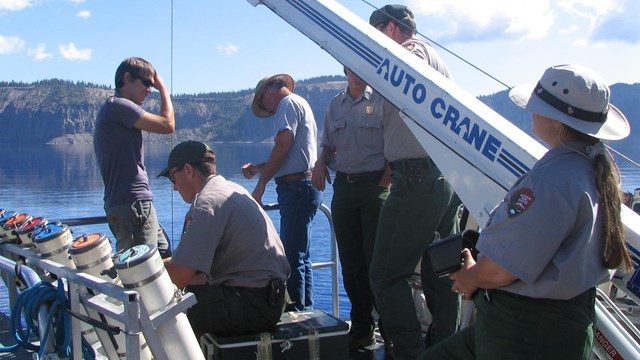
<point>520,201</point>
<point>187,222</point>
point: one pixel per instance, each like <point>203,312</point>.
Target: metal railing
<point>81,286</point>
<point>331,263</point>
<point>133,309</point>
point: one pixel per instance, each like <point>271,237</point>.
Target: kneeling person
<point>230,255</point>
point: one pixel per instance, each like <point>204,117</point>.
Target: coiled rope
<point>58,320</point>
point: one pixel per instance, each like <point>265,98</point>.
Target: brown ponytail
<point>616,255</point>
<point>608,183</point>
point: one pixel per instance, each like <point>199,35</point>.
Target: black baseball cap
<point>186,152</point>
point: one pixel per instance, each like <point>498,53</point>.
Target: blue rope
<point>58,320</point>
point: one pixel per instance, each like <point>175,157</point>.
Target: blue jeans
<point>299,201</point>
<point>135,224</point>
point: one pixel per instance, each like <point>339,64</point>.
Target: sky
<point>228,45</point>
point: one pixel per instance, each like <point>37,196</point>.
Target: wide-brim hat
<point>577,97</point>
<point>258,110</point>
<point>189,151</point>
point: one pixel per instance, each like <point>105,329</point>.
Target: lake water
<point>63,181</point>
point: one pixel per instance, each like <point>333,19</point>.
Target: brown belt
<point>292,177</point>
<point>371,177</point>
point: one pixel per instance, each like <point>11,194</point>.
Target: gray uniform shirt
<point>547,231</point>
<point>354,129</point>
<point>295,114</point>
<point>399,141</point>
<point>228,237</point>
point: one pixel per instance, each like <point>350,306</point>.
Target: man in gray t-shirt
<point>289,164</point>
<point>117,142</point>
<point>230,255</point>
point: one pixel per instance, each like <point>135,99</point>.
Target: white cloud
<point>10,44</point>
<point>518,20</point>
<point>71,52</point>
<point>227,49</point>
<point>39,53</point>
<point>472,20</point>
<point>618,25</point>
<point>84,14</point>
<point>14,5</point>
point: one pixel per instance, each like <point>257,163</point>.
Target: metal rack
<point>99,297</point>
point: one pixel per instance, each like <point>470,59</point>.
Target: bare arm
<point>250,170</point>
<point>164,122</point>
<point>180,275</point>
<point>284,140</point>
<point>385,181</point>
<point>320,171</point>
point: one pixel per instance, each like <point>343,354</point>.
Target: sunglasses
<point>145,81</point>
<point>172,174</point>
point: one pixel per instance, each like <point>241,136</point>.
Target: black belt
<point>411,164</point>
<point>585,297</point>
<point>371,177</point>
<point>260,292</point>
<point>292,177</point>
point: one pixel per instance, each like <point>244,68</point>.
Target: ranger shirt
<point>228,237</point>
<point>547,231</point>
<point>354,128</point>
<point>399,141</point>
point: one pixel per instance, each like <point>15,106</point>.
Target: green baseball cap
<point>387,13</point>
<point>186,152</point>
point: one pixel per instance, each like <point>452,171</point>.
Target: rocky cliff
<point>56,111</point>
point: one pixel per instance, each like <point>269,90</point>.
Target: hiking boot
<point>358,341</point>
<point>388,350</point>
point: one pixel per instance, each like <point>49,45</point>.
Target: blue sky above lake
<point>223,45</point>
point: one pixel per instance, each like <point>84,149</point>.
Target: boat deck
<point>6,339</point>
<point>375,352</point>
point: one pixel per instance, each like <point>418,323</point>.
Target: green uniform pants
<point>419,200</point>
<point>355,209</point>
<point>512,327</point>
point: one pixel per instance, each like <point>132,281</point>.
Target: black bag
<point>446,254</point>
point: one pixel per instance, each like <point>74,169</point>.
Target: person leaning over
<point>117,142</point>
<point>352,144</point>
<point>554,237</point>
<point>420,203</point>
<point>290,163</point>
<point>229,255</point>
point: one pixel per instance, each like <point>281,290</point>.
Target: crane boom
<point>480,152</point>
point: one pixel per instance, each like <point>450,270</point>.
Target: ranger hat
<point>575,96</point>
<point>400,13</point>
<point>186,152</point>
<point>256,106</point>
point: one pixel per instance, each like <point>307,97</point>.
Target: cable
<point>58,320</point>
<point>447,50</point>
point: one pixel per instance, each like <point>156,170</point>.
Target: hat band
<point>586,115</point>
